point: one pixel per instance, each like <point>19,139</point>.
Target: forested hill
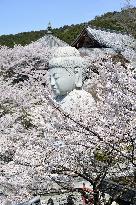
<point>124,21</point>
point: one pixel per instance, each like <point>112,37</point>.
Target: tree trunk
<point>135,175</point>
<point>96,195</point>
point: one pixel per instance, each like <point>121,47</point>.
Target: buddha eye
<point>56,76</point>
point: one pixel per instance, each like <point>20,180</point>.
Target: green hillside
<point>124,21</point>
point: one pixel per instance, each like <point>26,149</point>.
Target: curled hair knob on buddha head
<point>67,70</point>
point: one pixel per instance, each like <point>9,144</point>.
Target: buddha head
<point>67,70</point>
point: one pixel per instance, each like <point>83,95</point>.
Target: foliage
<point>26,120</point>
<point>118,21</point>
<point>102,157</point>
<point>4,110</point>
<point>119,58</point>
<point>123,21</point>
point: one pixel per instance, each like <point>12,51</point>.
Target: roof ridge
<point>50,37</point>
<point>59,39</point>
<point>110,30</point>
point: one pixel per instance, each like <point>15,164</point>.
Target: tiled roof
<point>52,41</point>
<point>117,41</point>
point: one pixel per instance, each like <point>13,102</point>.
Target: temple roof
<point>51,41</point>
<point>99,38</point>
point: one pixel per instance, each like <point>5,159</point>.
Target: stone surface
<point>67,70</point>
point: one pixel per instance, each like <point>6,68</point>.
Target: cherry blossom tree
<point>41,145</point>
<point>101,144</point>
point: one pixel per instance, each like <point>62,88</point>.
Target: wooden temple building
<point>92,37</point>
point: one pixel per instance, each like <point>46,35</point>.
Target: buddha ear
<point>78,77</point>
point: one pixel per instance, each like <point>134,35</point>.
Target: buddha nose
<point>52,81</point>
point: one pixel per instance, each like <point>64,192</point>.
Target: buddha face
<point>62,82</point>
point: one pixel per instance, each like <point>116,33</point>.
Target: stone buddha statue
<point>67,70</point>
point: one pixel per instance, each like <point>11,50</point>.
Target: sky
<point>33,15</point>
